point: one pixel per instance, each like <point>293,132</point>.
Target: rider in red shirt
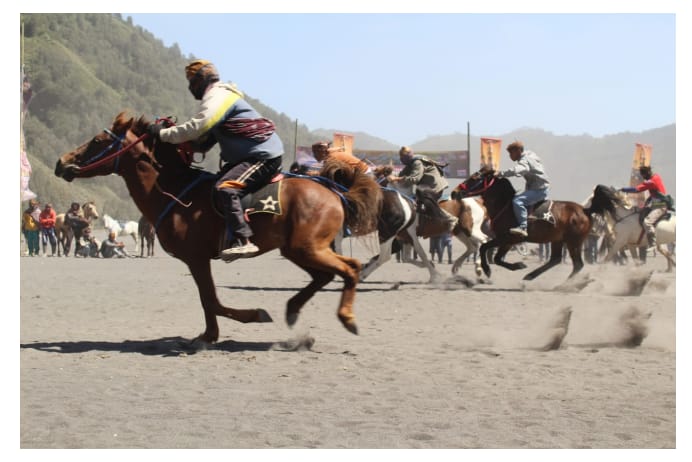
<point>655,205</point>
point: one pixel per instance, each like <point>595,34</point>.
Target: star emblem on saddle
<point>548,216</point>
<point>269,203</point>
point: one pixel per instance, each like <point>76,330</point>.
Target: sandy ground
<point>104,365</point>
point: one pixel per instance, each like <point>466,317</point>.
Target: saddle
<point>542,211</point>
<point>264,200</point>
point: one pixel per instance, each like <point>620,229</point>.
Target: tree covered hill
<point>86,68</point>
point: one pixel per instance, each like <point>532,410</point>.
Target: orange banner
<point>490,152</point>
<point>642,155</point>
<point>344,141</point>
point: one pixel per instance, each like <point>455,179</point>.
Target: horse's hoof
<point>291,318</point>
<point>349,323</point>
<point>521,266</point>
<point>263,316</point>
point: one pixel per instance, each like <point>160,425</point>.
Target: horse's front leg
<point>201,272</point>
<point>491,244</point>
<point>499,259</point>
<point>555,259</point>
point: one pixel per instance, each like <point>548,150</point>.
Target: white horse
<point>628,231</point>
<point>121,228</point>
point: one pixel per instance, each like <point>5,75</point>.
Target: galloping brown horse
<point>306,217</point>
<point>563,223</point>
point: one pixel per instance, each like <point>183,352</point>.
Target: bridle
<point>103,158</point>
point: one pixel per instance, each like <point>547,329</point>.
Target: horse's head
<point>477,183</point>
<point>125,143</point>
<point>90,212</point>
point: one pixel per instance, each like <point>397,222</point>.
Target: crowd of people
<point>38,227</point>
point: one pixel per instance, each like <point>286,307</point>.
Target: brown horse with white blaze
<point>159,179</point>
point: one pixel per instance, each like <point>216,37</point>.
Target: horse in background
<point>302,220</point>
<point>64,233</point>
<point>147,235</point>
<point>562,223</point>
<point>127,228</point>
<point>626,229</point>
<point>470,214</point>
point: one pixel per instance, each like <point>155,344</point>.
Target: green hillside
<point>84,69</point>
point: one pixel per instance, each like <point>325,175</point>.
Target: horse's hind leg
<point>322,265</point>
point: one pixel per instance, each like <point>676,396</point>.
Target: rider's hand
<point>153,130</point>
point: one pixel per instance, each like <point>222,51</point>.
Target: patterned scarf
<point>256,129</point>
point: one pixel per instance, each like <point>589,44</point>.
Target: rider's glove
<point>153,130</point>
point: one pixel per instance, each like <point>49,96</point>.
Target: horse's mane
<point>604,199</point>
<point>364,195</point>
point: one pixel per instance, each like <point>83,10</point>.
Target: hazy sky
<point>403,77</point>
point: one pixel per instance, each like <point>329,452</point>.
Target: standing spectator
<point>31,226</point>
<point>111,248</point>
<point>47,222</point>
<point>543,251</point>
<point>446,244</point>
<point>598,227</point>
<point>75,220</point>
<point>435,249</point>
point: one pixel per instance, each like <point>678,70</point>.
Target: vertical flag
<point>24,165</point>
<point>344,141</point>
<point>490,152</point>
<point>642,157</point>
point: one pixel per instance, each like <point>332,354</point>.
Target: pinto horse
<point>302,221</point>
<point>470,213</point>
<point>564,223</point>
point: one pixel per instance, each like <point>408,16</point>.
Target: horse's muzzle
<point>66,172</point>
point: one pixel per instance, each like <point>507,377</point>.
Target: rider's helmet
<point>518,145</point>
<point>200,74</point>
<point>405,155</point>
<point>645,171</point>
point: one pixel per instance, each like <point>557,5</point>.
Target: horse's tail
<point>363,195</point>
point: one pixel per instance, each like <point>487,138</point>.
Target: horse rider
<point>529,166</point>
<point>323,150</point>
<point>656,204</point>
<point>77,222</point>
<point>424,174</point>
<point>248,142</point>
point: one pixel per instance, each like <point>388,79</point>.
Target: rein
<point>98,160</point>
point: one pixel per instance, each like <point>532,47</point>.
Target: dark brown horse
<point>147,235</point>
<point>563,223</point>
<point>306,217</point>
